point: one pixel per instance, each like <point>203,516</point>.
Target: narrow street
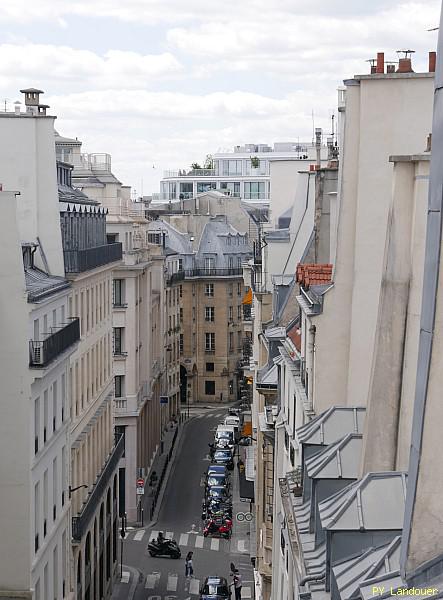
<point>180,518</point>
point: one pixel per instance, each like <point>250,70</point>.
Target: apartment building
<point>210,254</point>
<point>140,358</point>
<point>243,173</point>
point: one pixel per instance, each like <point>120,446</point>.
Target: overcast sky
<point>161,83</point>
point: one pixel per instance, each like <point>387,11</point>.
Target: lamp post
<point>122,537</point>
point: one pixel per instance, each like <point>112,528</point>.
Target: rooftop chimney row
<point>404,64</point>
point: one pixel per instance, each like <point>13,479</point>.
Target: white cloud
<point>61,66</point>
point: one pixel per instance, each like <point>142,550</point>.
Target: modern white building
<point>243,173</point>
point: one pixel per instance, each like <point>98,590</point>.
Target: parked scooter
<point>214,508</point>
<point>218,527</point>
<point>164,548</point>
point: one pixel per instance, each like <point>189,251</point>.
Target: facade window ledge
<point>120,355</point>
<point>119,305</point>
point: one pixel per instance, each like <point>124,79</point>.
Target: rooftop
<point>313,274</point>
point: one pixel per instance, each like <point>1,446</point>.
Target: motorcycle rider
<point>161,539</point>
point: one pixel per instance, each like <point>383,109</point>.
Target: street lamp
<point>122,537</point>
<point>74,489</point>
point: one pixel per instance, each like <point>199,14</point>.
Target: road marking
<point>184,539</point>
<point>153,536</point>
<point>151,580</point>
<point>194,586</point>
<point>125,577</point>
<point>199,541</point>
<point>215,544</point>
<point>172,583</point>
<point>241,545</point>
<point>169,535</point>
<point>139,536</point>
<point>246,592</point>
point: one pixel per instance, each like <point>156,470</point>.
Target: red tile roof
<point>313,274</point>
<point>294,334</point>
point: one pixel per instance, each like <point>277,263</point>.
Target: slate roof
<point>340,460</point>
<point>351,572</point>
<point>375,502</point>
<point>40,285</point>
<point>332,425</point>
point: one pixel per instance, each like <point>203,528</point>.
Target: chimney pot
<point>380,67</point>
<point>432,61</point>
<point>405,62</point>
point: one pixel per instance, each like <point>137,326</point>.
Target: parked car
<point>224,457</point>
<point>225,432</point>
<point>233,421</point>
<point>218,479</point>
<point>215,588</point>
<point>218,492</point>
<point>217,470</point>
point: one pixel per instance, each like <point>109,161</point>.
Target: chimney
<point>372,62</point>
<point>318,135</point>
<point>380,67</point>
<point>17,107</point>
<point>432,60</point>
<point>429,143</point>
<point>405,62</point>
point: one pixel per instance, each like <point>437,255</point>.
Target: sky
<point>159,84</point>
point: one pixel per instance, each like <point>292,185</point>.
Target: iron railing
<point>41,353</point>
<point>81,521</point>
<point>175,277</point>
<point>78,261</point>
<point>214,272</point>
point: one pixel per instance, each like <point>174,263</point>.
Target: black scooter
<point>165,548</point>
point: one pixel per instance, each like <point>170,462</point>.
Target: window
<point>55,572</point>
<point>230,288</point>
<point>36,424</point>
<point>209,263</point>
<point>118,340</point>
<point>181,291</point>
<point>118,386</point>
<point>54,488</point>
<point>45,503</point>
<point>210,366</point>
<point>209,290</point>
<point>209,313</point>
<point>239,290</point>
<point>230,188</point>
<point>118,298</point>
<point>54,406</point>
<point>254,190</point>
<point>210,342</point>
<point>231,341</point>
<point>231,387</point>
<point>181,343</point>
<point>194,344</point>
<point>36,516</point>
<point>111,238</point>
<point>180,264</point>
<point>231,167</point>
<point>45,416</point>
<point>230,262</point>
<point>231,314</point>
<point>63,474</point>
<point>239,340</point>
<point>238,262</point>
<point>181,315</point>
<point>210,388</point>
<point>193,289</point>
<point>203,186</point>
<point>63,397</point>
<point>193,313</point>
<point>239,312</point>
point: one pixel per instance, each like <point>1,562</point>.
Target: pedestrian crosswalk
<point>157,583</point>
<point>192,539</point>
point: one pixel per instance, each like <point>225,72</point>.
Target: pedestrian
<point>189,569</point>
<point>237,584</point>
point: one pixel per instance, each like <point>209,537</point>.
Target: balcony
<point>79,261</point>
<point>190,173</point>
<point>175,277</point>
<point>41,353</point>
<point>214,272</point>
<point>81,521</point>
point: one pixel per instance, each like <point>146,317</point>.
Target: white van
<point>226,432</point>
<point>233,421</point>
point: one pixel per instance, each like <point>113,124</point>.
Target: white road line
<point>125,577</point>
<point>151,580</point>
<point>241,545</point>
<point>194,586</point>
<point>154,534</point>
<point>139,536</point>
<point>172,583</point>
<point>215,544</point>
<point>184,538</point>
<point>246,592</point>
<point>199,541</point>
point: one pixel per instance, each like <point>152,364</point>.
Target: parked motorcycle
<point>218,527</point>
<point>213,509</point>
<point>165,548</point>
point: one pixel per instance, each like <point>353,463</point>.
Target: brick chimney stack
<point>432,61</point>
<point>380,67</point>
<point>405,62</point>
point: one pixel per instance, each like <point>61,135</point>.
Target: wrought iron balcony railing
<point>78,261</point>
<point>214,272</point>
<point>41,353</point>
<point>175,277</point>
<point>81,521</point>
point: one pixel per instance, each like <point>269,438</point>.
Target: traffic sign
<point>140,487</point>
<point>164,399</point>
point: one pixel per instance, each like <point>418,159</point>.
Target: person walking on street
<point>237,584</point>
<point>189,569</point>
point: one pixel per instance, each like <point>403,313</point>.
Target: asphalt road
<point>180,518</point>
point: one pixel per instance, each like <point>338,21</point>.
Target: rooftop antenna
<point>313,127</point>
<point>433,29</point>
<point>5,101</point>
